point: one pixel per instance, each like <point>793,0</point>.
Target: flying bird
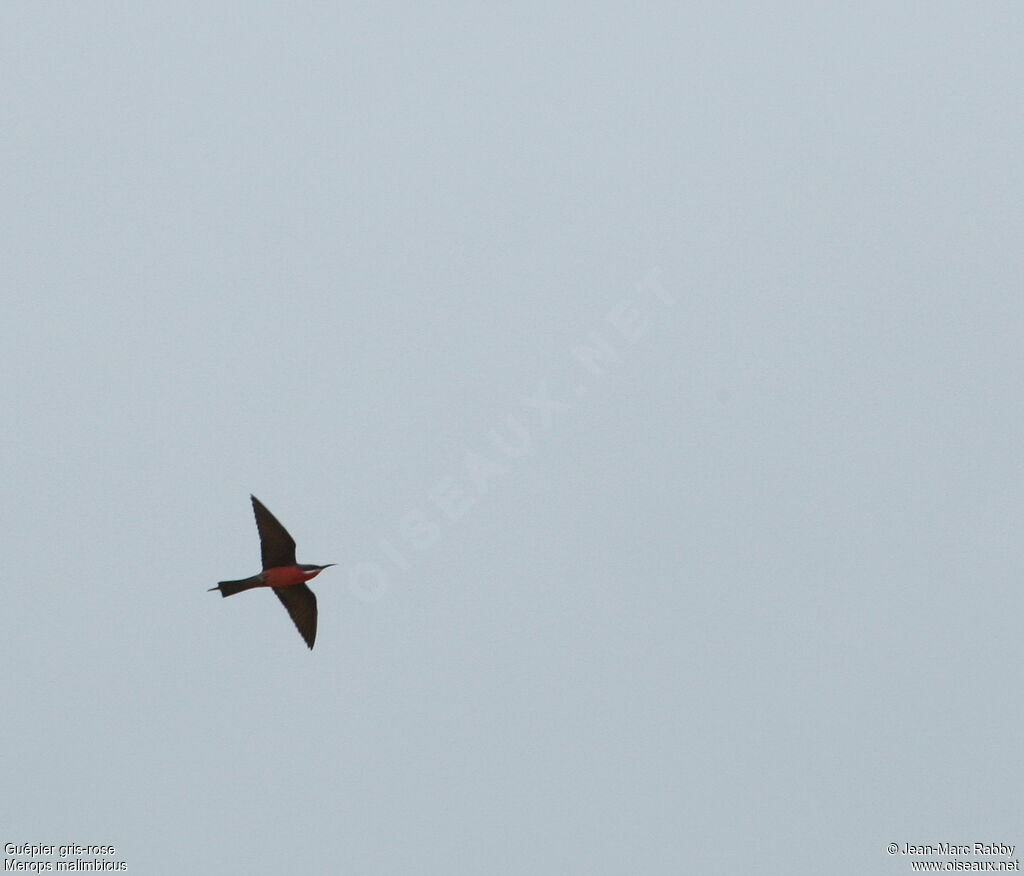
<point>281,572</point>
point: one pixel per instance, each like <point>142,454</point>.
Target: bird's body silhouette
<point>281,573</point>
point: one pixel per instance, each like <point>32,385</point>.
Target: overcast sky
<point>653,376</point>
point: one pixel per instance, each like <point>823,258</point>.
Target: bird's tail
<point>230,588</point>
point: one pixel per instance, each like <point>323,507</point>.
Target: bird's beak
<point>328,565</point>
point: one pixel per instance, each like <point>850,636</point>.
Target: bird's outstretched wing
<point>276,545</point>
<point>301,604</point>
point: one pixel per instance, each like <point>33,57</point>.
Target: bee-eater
<point>281,572</point>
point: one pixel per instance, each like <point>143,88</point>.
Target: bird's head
<point>313,570</point>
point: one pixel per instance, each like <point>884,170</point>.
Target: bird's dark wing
<point>301,604</point>
<point>276,545</point>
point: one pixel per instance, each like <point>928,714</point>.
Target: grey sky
<point>652,375</point>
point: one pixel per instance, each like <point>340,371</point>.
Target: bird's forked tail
<point>230,588</point>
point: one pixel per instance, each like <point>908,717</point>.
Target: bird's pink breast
<point>286,576</point>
